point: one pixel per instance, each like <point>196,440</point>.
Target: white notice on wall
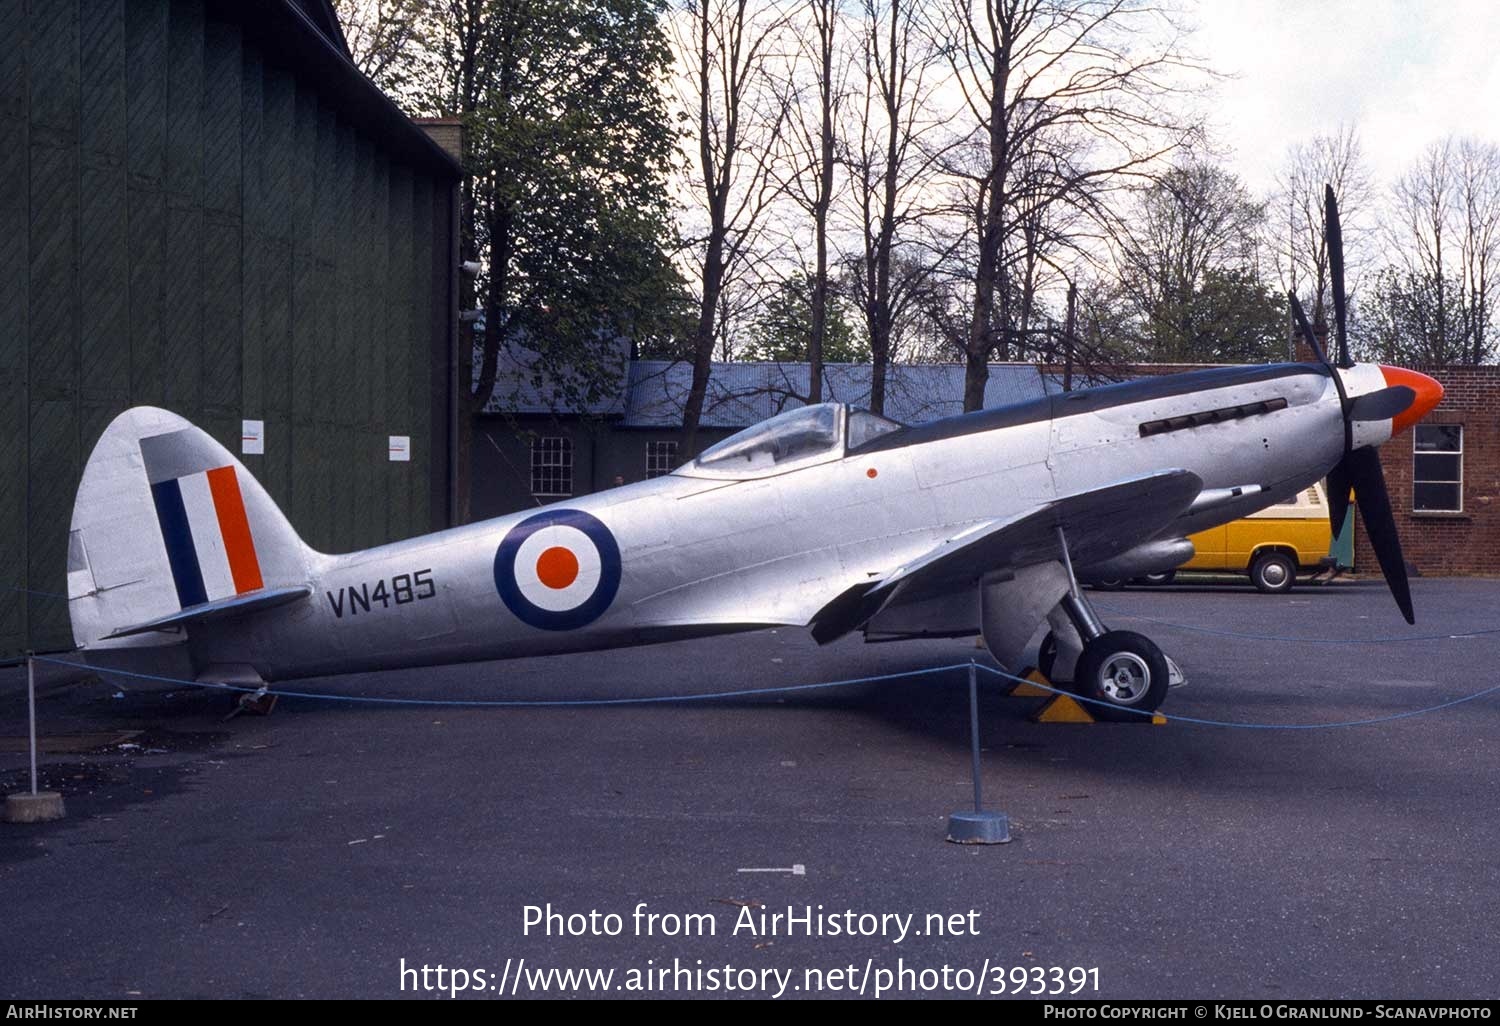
<point>400,448</point>
<point>253,437</point>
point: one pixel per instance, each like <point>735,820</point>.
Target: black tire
<point>1046,655</point>
<point>1125,674</point>
<point>1110,584</point>
<point>1165,577</point>
<point>1273,573</point>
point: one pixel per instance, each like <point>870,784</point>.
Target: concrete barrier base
<point>42,807</point>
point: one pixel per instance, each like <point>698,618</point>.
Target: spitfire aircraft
<point>824,517</point>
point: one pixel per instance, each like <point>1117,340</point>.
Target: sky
<point>1404,72</point>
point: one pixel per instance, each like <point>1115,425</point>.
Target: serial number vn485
<point>398,591</point>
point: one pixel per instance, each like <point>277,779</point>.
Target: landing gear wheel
<point>1165,577</point>
<point>1124,673</point>
<point>1046,655</point>
<point>1273,573</point>
<point>1110,584</point>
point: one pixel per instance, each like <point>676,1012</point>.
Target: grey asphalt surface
<point>309,852</point>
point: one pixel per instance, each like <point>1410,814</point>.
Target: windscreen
<point>864,425</point>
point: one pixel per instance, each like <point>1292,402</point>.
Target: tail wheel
<point>1273,572</point>
<point>1125,673</point>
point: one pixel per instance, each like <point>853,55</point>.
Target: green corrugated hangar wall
<point>189,222</point>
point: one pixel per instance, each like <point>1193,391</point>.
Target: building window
<point>661,458</point>
<point>1438,468</point>
<point>552,466</point>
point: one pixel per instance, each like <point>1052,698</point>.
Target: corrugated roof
<point>653,393</point>
<point>523,385</point>
<point>740,394</point>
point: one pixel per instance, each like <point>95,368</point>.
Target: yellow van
<point>1271,545</point>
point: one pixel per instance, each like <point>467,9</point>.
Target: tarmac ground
<point>319,850</point>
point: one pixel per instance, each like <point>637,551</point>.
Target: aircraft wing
<point>1100,523</point>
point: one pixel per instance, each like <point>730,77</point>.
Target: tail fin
<point>168,527</point>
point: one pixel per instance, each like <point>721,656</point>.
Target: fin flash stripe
<point>244,566</point>
<point>182,557</point>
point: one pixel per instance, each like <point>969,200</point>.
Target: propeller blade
<point>1307,332</point>
<point>1386,404</point>
<point>1338,498</point>
<point>1363,467</point>
<point>1335,236</point>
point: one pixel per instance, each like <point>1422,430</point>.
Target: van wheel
<point>1273,573</point>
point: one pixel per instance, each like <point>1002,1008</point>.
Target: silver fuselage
<point>704,553</point>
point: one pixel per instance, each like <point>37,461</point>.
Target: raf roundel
<point>558,570</point>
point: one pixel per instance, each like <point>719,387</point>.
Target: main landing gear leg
<point>1124,673</point>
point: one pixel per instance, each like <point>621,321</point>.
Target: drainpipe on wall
<point>449,134</point>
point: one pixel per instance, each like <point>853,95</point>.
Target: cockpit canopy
<point>791,437</point>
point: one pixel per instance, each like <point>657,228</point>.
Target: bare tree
<point>890,164</point>
<point>1421,211</point>
<point>1437,303</point>
<point>1477,206</point>
<point>1065,97</point>
<point>1295,216</point>
<point>818,84</point>
<point>737,108</point>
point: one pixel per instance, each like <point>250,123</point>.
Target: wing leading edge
<point>1100,523</point>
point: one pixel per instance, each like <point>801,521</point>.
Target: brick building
<point>1444,479</point>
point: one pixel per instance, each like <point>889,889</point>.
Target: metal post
<point>37,806</point>
<point>31,714</point>
<point>974,734</point>
<point>977,827</point>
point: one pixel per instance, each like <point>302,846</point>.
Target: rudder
<point>166,520</point>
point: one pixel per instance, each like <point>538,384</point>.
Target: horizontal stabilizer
<point>235,605</point>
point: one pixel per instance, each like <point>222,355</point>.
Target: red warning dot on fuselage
<point>557,568</point>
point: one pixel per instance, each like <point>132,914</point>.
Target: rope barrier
<point>538,703</point>
<point>756,692</point>
<point>829,685</point>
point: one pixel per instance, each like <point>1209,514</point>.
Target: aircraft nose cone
<point>1429,394</point>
